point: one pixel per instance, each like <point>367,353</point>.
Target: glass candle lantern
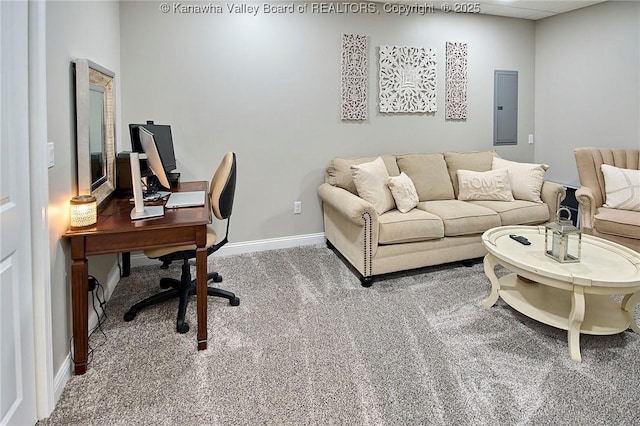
<point>83,211</point>
<point>562,240</point>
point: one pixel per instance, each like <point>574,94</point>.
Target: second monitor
<point>164,143</point>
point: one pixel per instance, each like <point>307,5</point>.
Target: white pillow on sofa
<point>491,185</point>
<point>403,191</point>
<point>371,183</point>
<point>526,178</point>
<point>622,188</point>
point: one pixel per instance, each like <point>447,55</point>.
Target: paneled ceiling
<point>526,9</point>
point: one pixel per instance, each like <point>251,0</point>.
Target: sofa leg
<point>366,281</point>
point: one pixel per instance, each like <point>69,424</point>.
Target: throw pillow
<point>622,188</point>
<point>491,185</point>
<point>371,183</point>
<point>403,191</point>
<point>338,171</point>
<point>526,179</point>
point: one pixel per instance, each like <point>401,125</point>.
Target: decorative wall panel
<point>355,71</point>
<point>407,79</point>
<point>456,81</point>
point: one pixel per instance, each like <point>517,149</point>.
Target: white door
<point>17,354</point>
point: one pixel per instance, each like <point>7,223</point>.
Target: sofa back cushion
<point>338,171</point>
<point>589,160</point>
<point>429,175</point>
<point>474,161</point>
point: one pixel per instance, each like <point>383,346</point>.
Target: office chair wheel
<point>235,301</point>
<point>166,283</point>
<point>182,328</point>
<point>215,277</point>
<point>129,316</point>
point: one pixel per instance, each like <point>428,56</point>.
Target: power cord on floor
<point>95,288</point>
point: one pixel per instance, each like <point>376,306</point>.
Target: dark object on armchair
<point>221,193</point>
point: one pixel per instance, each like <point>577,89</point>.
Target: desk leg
<point>80,303</point>
<point>126,264</point>
<point>201,286</point>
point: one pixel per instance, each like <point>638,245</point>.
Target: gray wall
<point>268,88</point>
<point>587,84</point>
<point>74,30</point>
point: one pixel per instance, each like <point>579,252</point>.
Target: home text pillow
<point>403,191</point>
<point>526,179</point>
<point>371,183</point>
<point>491,185</point>
<point>622,188</point>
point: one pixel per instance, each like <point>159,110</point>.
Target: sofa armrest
<point>552,195</point>
<point>587,203</point>
<point>349,205</point>
<point>351,224</point>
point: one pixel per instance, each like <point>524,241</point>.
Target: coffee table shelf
<point>552,306</point>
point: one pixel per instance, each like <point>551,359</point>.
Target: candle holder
<point>83,211</point>
<point>562,240</point>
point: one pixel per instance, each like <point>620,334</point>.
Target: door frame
<point>39,184</point>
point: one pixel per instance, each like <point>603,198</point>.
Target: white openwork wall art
<point>456,81</point>
<point>355,71</point>
<point>407,79</point>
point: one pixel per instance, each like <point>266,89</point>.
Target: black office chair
<point>221,194</point>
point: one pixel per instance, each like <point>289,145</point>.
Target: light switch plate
<point>530,139</point>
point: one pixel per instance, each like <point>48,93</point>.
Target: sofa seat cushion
<point>622,223</point>
<point>518,212</point>
<point>461,217</point>
<point>415,225</point>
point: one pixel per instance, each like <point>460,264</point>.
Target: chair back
<point>589,160</point>
<point>223,187</point>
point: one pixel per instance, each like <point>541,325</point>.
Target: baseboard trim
<point>139,259</point>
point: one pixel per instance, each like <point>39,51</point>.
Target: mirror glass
<point>95,131</point>
<point>97,146</point>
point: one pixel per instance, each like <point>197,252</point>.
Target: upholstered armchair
<point>609,203</point>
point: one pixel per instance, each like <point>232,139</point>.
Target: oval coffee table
<point>570,296</point>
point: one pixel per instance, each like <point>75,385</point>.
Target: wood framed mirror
<point>95,129</point>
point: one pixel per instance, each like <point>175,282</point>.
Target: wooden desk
<point>115,232</point>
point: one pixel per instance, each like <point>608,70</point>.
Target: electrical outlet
<point>297,207</point>
<point>92,283</point>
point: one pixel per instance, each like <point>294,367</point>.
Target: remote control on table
<point>520,239</point>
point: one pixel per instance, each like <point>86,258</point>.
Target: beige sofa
<point>440,229</point>
<point>615,224</point>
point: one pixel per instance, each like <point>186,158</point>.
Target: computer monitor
<point>164,142</point>
<point>150,148</point>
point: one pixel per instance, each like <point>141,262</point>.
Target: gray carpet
<point>309,346</point>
